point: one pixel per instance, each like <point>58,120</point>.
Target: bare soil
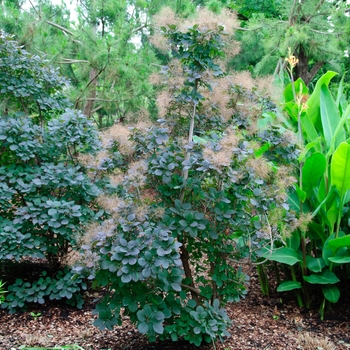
<point>259,322</point>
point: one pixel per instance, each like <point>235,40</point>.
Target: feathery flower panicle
<point>158,212</point>
<point>276,216</point>
<point>142,212</point>
<point>143,124</point>
<point>116,178</point>
<point>139,166</point>
<point>220,97</point>
<point>289,138</point>
<point>110,203</point>
<point>231,49</point>
<point>165,17</point>
<point>86,159</point>
<point>223,157</point>
<point>302,222</point>
<point>121,134</point>
<point>136,174</point>
<point>156,79</point>
<point>141,114</point>
<point>243,79</point>
<point>285,178</point>
<point>176,77</point>
<point>265,85</point>
<point>208,20</point>
<point>163,102</point>
<point>219,159</point>
<point>159,41</point>
<point>230,141</point>
<point>261,168</point>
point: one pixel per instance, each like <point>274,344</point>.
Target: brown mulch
<point>258,323</point>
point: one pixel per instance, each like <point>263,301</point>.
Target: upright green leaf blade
<point>313,144</point>
<point>330,118</point>
<point>314,101</point>
<point>309,130</point>
<point>313,170</point>
<point>340,168</point>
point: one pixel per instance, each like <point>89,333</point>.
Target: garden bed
<point>258,323</point>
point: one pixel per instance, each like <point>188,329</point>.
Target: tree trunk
<point>302,68</point>
<point>89,104</point>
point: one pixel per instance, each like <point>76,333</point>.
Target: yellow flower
<point>304,106</point>
<point>292,60</point>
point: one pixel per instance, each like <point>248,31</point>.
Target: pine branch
<point>326,33</point>
<point>65,30</point>
<point>96,109</point>
<point>247,29</point>
<point>70,61</point>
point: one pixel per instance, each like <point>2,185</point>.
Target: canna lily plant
<point>317,253</point>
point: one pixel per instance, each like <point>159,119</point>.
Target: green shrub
<point>46,196</point>
<point>199,193</point>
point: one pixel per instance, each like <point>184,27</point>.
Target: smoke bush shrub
<point>200,192</point>
<point>46,196</point>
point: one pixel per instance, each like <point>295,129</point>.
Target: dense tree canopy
<point>317,32</point>
<point>95,48</point>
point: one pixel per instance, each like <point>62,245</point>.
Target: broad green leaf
<point>196,330</point>
<point>340,259</point>
<point>315,264</point>
<point>283,255</point>
<point>133,306</point>
<point>314,101</point>
<point>288,285</point>
<point>300,88</point>
<point>301,194</point>
<point>339,131</point>
<point>332,215</point>
<point>316,231</point>
<point>294,201</point>
<point>340,169</point>
<point>314,144</point>
<point>340,242</point>
<point>329,117</point>
<point>199,140</point>
<point>260,151</point>
<point>331,293</point>
<point>327,252</point>
<point>313,169</point>
<point>266,120</point>
<point>158,327</point>
<point>346,197</point>
<point>293,241</point>
<point>325,277</point>
<point>309,130</point>
<point>143,327</point>
<point>340,93</point>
